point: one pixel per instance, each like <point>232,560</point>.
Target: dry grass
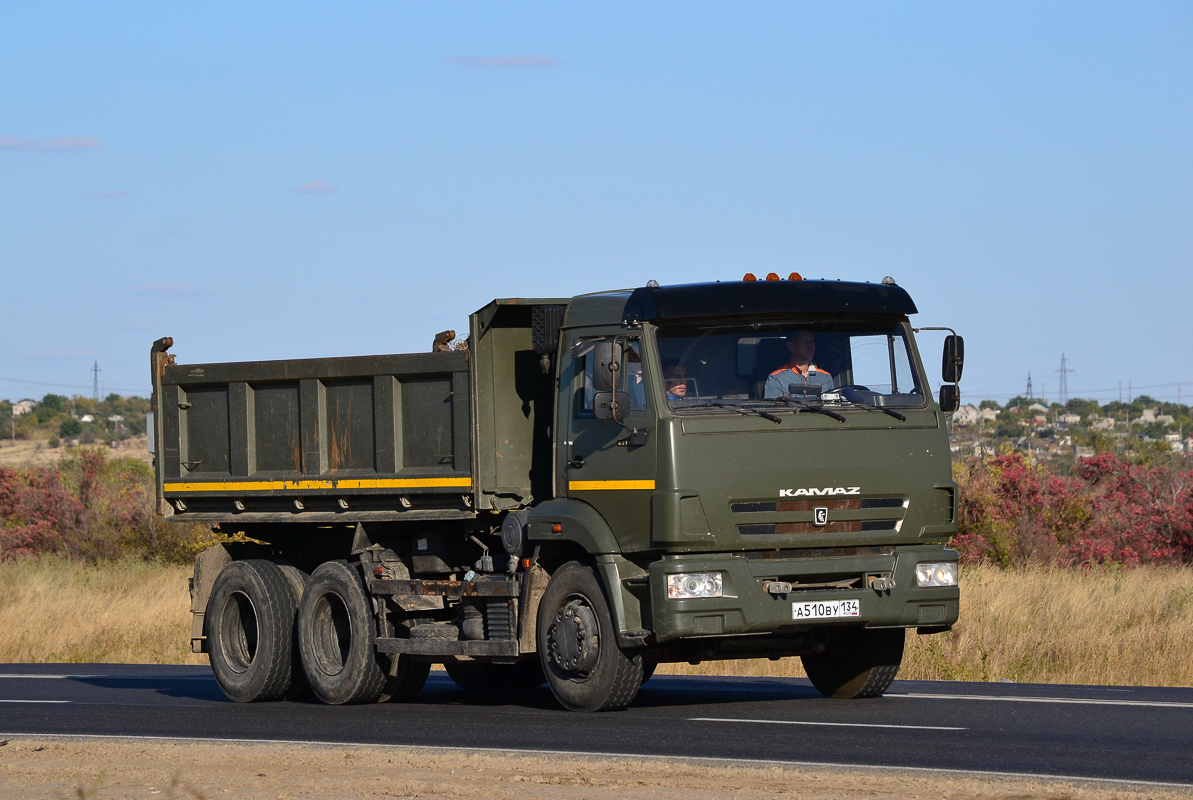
<point>38,453</point>
<point>55,610</point>
<point>1129,627</point>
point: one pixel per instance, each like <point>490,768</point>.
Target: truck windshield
<point>855,363</point>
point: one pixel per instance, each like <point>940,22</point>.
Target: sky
<point>292,180</point>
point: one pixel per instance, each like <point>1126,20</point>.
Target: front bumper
<point>746,608</point>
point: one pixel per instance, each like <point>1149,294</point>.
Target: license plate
<point>826,609</point>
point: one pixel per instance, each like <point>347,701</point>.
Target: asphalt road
<point>1114,733</point>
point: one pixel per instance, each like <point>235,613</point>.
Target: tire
<point>859,662</point>
<point>476,676</point>
<point>480,676</point>
<point>337,640</point>
<point>577,645</point>
<point>648,669</point>
<point>404,679</point>
<point>526,674</point>
<point>250,631</point>
<point>299,688</point>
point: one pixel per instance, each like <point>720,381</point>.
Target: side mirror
<point>606,360</point>
<point>954,358</point>
<point>605,403</point>
<point>950,398</point>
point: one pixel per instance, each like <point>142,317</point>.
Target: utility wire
<point>66,385</point>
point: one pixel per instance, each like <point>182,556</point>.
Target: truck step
<point>448,647</point>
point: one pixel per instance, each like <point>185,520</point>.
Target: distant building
<point>966,415</point>
<point>23,407</point>
<point>1101,423</point>
<point>1165,419</point>
<point>86,418</point>
<point>1037,407</point>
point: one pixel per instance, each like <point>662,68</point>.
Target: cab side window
<point>632,379</point>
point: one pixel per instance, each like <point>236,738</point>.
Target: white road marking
<point>35,701</point>
<point>828,724</point>
<point>1069,700</point>
<point>111,677</point>
<point>628,756</point>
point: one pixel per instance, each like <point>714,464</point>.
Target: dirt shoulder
<point>123,768</point>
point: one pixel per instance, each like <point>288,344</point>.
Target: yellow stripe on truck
<point>597,486</point>
<point>343,483</point>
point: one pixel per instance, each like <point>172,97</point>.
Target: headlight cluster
<point>694,584</point>
<point>936,574</point>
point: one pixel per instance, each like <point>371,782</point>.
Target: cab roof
<point>762,298</point>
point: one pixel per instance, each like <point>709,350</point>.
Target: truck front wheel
<point>335,637</point>
<point>577,643</point>
<point>857,662</point>
<point>250,627</point>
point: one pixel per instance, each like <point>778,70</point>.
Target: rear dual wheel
<point>250,630</point>
<point>338,645</point>
<point>478,676</point>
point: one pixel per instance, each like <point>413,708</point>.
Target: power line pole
<point>95,381</point>
<point>1064,379</point>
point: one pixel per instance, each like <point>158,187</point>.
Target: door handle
<point>577,462</point>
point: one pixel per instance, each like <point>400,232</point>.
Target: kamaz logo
<point>828,491</point>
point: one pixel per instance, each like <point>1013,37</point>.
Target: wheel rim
<point>238,632</point>
<point>574,638</point>
<point>332,629</point>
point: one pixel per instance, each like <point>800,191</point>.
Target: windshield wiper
<point>741,410</point>
<point>871,407</point>
<point>800,405</point>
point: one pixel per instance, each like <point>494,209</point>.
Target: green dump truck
<point>584,489</point>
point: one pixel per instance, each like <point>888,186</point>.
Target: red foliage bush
<point>89,508</point>
<point>1011,511</point>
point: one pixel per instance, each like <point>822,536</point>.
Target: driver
<point>798,369</point>
<point>675,379</point>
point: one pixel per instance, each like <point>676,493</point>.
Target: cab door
<point>603,463</point>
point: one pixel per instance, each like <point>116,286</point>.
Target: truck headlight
<point>936,574</point>
<point>694,584</point>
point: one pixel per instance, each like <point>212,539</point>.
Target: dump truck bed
<point>367,437</point>
<point>384,437</point>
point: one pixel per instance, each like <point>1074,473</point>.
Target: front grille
<point>799,514</point>
<point>781,506</point>
<point>845,526</point>
<point>821,552</point>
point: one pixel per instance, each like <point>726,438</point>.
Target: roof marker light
<point>749,276</point>
<point>772,276</point>
<point>795,276</point>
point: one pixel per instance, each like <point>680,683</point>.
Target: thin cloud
<point>315,187</point>
<point>533,60</point>
<point>56,145</point>
<point>106,195</point>
<point>163,289</point>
